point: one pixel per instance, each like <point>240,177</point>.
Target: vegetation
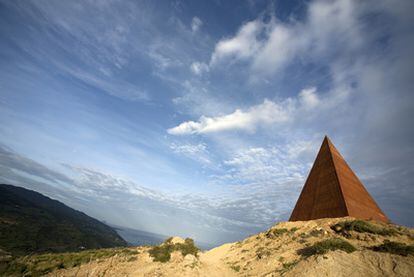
<point>363,227</point>
<point>162,253</point>
<point>288,266</point>
<point>262,252</point>
<point>394,248</point>
<point>235,268</point>
<point>278,232</point>
<point>41,264</point>
<point>324,246</point>
<point>316,232</point>
<point>33,223</point>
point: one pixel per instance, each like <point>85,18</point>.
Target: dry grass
<point>325,246</point>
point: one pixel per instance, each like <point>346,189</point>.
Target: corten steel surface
<point>333,190</point>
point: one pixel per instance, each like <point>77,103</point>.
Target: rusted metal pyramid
<point>333,190</point>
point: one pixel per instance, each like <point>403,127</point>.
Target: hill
<point>31,223</point>
<point>323,247</point>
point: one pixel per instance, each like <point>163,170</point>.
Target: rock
<point>337,228</point>
<point>189,258</point>
<point>174,240</point>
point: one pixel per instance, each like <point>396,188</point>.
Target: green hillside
<point>33,223</point>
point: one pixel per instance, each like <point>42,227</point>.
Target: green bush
<point>324,246</point>
<point>394,248</point>
<point>162,253</point>
<point>363,227</point>
<point>187,247</point>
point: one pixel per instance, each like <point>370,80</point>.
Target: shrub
<point>278,232</point>
<point>287,266</point>
<point>316,233</point>
<point>162,253</point>
<point>324,246</point>
<point>394,248</point>
<point>262,252</point>
<point>363,227</point>
<point>235,268</point>
<point>187,247</point>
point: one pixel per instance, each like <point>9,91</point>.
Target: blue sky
<point>202,118</point>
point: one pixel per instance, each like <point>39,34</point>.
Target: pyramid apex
<point>326,138</point>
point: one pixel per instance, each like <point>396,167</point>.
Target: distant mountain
<point>31,222</point>
<point>137,237</point>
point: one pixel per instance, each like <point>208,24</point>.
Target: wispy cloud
<point>196,152</point>
<point>233,213</point>
<point>199,68</point>
<point>196,24</point>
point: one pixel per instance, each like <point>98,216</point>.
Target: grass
<point>287,266</point>
<point>325,246</point>
<point>361,226</point>
<point>316,233</point>
<point>235,268</point>
<point>278,232</point>
<point>294,229</point>
<point>394,248</point>
<point>41,264</point>
<point>162,253</point>
<point>262,252</point>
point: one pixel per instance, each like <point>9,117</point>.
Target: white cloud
<point>196,24</point>
<point>266,113</point>
<point>242,46</point>
<point>309,98</point>
<point>199,68</point>
<point>269,113</point>
<point>329,27</point>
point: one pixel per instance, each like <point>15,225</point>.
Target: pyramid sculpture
<point>333,190</point>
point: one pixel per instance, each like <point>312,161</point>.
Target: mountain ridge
<point>34,223</point>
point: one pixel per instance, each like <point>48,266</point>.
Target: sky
<point>202,118</point>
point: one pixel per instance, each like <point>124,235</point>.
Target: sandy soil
<point>266,254</point>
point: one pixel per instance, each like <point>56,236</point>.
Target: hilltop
<point>323,247</point>
<point>33,223</point>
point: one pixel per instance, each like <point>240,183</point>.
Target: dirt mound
<point>324,247</point>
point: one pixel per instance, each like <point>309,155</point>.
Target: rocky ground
<point>325,247</point>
